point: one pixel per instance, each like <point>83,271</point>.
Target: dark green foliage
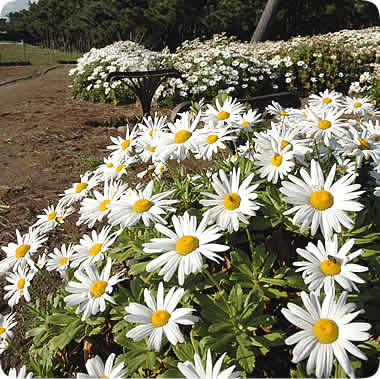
<point>82,24</point>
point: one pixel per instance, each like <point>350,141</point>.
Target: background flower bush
<point>302,65</point>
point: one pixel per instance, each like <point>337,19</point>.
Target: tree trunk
<point>265,20</point>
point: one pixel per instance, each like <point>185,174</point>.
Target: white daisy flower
<point>321,203</point>
<point>7,322</point>
<point>327,331</point>
<point>60,259</point>
<point>282,114</point>
<point>326,99</point>
<point>323,124</point>
<point>141,205</point>
<point>180,140</point>
<point>92,290</point>
<point>227,113</point>
<point>123,147</point>
<point>210,141</point>
<point>151,126</point>
<point>91,249</point>
<point>275,163</point>
<point>357,105</point>
<point>248,121</point>
<point>146,146</point>
<point>373,129</point>
<point>247,151</point>
<point>159,317</point>
<point>53,216</point>
<point>232,202</point>
<point>345,166</point>
<point>93,210</point>
<point>185,247</point>
<point>361,145</point>
<point>80,190</point>
<point>97,369</point>
<point>20,252</point>
<point>326,264</point>
<point>19,280</point>
<point>197,370</point>
<point>13,373</point>
<point>114,168</point>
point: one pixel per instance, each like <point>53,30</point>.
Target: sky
<point>3,2</point>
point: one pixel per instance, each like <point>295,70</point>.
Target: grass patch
<point>14,52</point>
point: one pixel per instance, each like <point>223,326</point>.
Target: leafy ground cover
<point>237,296</point>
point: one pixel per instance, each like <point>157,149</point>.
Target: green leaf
<point>70,332</point>
<point>137,359</point>
<point>171,373</point>
<point>35,331</point>
<point>246,358</point>
<point>236,297</point>
<point>138,268</point>
<point>184,352</point>
<point>61,319</point>
<point>296,281</point>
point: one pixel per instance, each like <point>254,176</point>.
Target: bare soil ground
<point>47,139</point>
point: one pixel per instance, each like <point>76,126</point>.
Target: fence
<point>18,52</point>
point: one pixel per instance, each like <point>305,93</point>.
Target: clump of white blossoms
<point>327,264</point>
<point>21,252</point>
<point>196,370</point>
<point>327,331</point>
<point>7,322</point>
<point>97,369</point>
<point>92,289</point>
<point>54,215</point>
<point>232,201</point>
<point>321,203</point>
<point>159,317</point>
<point>12,373</point>
<point>184,248</point>
<point>141,205</point>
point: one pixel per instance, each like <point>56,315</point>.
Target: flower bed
<point>304,65</point>
<point>267,237</point>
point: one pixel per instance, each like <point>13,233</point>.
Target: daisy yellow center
<point>330,268</point>
<point>98,288</point>
<point>152,149</point>
<point>95,249</point>
<point>232,201</point>
<point>223,115</point>
<point>151,132</point>
<point>182,136</point>
<point>186,244</point>
<point>325,331</point>
<point>341,169</point>
<point>277,160</point>
<point>162,168</point>
<point>160,318</point>
<point>357,104</point>
<point>22,250</point>
<point>104,377</point>
<point>80,187</point>
<point>52,216</point>
<point>2,330</point>
<point>120,167</point>
<point>59,218</point>
<point>212,138</point>
<point>321,200</point>
<point>327,100</point>
<point>20,284</point>
<point>142,205</point>
<point>109,165</point>
<point>369,113</point>
<point>235,156</point>
<point>324,124</point>
<point>283,113</point>
<point>284,143</point>
<point>244,124</point>
<point>376,137</point>
<point>125,144</point>
<point>63,260</point>
<point>103,205</point>
<point>364,145</point>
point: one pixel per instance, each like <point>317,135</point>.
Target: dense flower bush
<point>341,61</point>
<point>267,237</point>
<point>92,68</point>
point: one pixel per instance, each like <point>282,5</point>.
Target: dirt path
<point>47,139</point>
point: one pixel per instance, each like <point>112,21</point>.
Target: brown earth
<point>47,139</point>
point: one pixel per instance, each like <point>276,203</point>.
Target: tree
<point>265,20</point>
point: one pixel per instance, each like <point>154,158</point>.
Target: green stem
<point>18,352</point>
<point>209,276</point>
<point>252,248</point>
<point>49,278</point>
